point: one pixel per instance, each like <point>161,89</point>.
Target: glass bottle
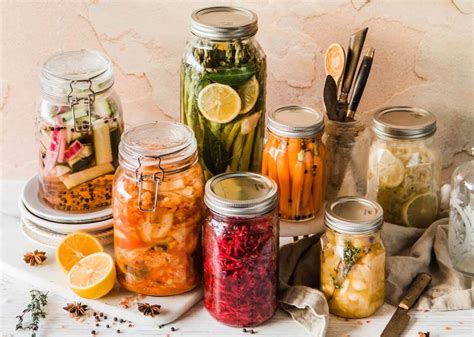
<point>158,208</point>
<point>404,166</point>
<point>223,78</point>
<point>79,126</point>
<point>241,248</point>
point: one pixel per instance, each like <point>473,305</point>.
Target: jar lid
<point>241,194</point>
<point>403,122</point>
<point>295,121</point>
<point>353,215</point>
<point>80,69</point>
<point>170,146</point>
<point>224,23</point>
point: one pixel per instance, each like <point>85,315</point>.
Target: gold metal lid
<point>295,121</point>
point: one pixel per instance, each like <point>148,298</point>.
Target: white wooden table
<point>14,296</point>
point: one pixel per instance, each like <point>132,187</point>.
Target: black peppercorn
<point>115,319</point>
<point>93,332</point>
<point>118,331</point>
<point>97,324</point>
<point>173,329</point>
<point>108,326</point>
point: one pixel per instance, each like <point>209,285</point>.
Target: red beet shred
<point>241,268</point>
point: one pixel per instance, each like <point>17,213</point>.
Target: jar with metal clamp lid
<point>157,208</point>
<point>78,129</point>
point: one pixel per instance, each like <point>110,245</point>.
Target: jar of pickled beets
<point>241,248</point>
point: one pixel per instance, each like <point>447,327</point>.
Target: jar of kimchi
<point>157,208</point>
<point>294,157</point>
<point>241,248</point>
<point>353,257</point>
<point>78,129</point>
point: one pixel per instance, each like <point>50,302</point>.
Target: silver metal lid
<point>295,121</point>
<point>403,122</point>
<point>353,215</point>
<point>241,194</point>
<point>224,23</point>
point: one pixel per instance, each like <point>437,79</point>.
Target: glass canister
<point>353,257</point>
<point>223,78</point>
<point>461,219</point>
<point>294,157</point>
<point>78,128</point>
<point>404,166</point>
<point>158,208</point>
<point>241,248</point>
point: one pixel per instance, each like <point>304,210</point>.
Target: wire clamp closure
<point>73,100</point>
<point>156,178</point>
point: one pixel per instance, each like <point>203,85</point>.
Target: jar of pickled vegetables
<point>78,130</point>
<point>294,157</point>
<point>353,257</point>
<point>223,75</point>
<point>241,248</point>
<point>158,208</point>
<point>404,166</point>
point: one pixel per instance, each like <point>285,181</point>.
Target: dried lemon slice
<point>219,103</point>
<point>421,210</point>
<point>249,94</point>
<point>391,170</point>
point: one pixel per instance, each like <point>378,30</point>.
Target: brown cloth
<point>409,252</point>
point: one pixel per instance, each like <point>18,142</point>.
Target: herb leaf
<point>39,300</point>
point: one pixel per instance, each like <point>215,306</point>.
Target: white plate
<point>64,228</point>
<point>32,201</point>
<point>52,239</point>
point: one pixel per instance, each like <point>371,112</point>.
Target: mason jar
<point>404,166</point>
<point>241,248</point>
<point>294,157</point>
<point>353,257</point>
<point>461,218</point>
<point>157,209</point>
<point>79,125</point>
<point>223,89</point>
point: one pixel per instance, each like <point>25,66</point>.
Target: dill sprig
<point>35,308</point>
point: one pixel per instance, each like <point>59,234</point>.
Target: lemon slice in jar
<point>391,170</point>
<point>249,94</point>
<point>93,276</point>
<point>421,210</point>
<point>219,103</point>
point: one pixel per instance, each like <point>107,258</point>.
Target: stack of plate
<point>49,226</point>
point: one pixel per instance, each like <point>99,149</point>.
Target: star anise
<point>149,309</point>
<point>34,258</point>
<point>77,309</point>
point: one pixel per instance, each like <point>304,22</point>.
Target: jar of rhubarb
<point>241,248</point>
<point>353,257</point>
<point>294,157</point>
<point>223,89</point>
<point>157,209</point>
<point>78,129</point>
<point>404,166</point>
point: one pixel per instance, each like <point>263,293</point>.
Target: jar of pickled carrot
<point>157,208</point>
<point>294,157</point>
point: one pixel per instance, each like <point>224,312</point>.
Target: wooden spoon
<point>335,61</point>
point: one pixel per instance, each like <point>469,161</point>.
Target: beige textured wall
<point>424,56</point>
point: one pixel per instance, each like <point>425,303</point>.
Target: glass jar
<point>461,219</point>
<point>78,130</point>
<point>158,208</point>
<point>347,146</point>
<point>294,157</point>
<point>404,166</point>
<point>353,257</point>
<point>223,76</point>
<point>241,249</point>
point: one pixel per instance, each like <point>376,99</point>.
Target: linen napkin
<point>409,252</point>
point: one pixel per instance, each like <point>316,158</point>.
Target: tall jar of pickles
<point>78,129</point>
<point>294,157</point>
<point>223,76</point>
<point>353,257</point>
<point>157,209</point>
<point>404,166</point>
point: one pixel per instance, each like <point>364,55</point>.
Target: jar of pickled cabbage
<point>241,248</point>
<point>223,76</point>
<point>157,208</point>
<point>353,257</point>
<point>294,157</point>
<point>78,129</point>
<point>404,166</point>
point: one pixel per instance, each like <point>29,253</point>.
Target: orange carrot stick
<point>308,180</point>
<point>266,153</point>
<point>297,186</point>
<point>294,148</point>
<point>284,181</point>
<point>272,153</point>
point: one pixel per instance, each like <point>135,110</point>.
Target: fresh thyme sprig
<point>39,300</point>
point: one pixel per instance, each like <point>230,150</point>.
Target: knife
<point>400,318</point>
<point>353,54</point>
<point>330,97</point>
<point>360,82</point>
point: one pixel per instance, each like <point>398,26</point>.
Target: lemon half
<point>421,210</point>
<point>249,94</point>
<point>391,170</point>
<point>219,103</point>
